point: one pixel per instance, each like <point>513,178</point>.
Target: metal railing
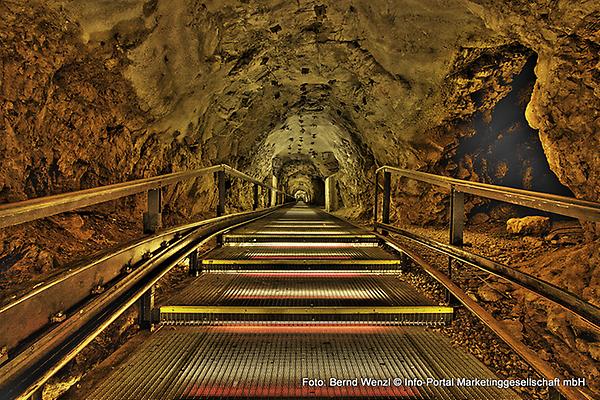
<point>91,294</point>
<point>581,209</point>
<point>29,367</point>
<point>30,210</point>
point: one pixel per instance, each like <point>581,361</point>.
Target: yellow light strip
<point>251,236</point>
<point>343,245</point>
<point>303,262</point>
<point>305,310</point>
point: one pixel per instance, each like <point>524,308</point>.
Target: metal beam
<point>568,206</point>
<point>457,224</point>
<point>221,192</point>
<point>153,215</point>
<point>26,372</point>
<point>194,263</point>
<point>80,281</point>
<point>146,308</point>
<point>274,183</point>
<point>387,189</point>
<point>30,210</point>
<point>376,202</point>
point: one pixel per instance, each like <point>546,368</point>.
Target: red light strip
<point>306,329</point>
<point>301,275</point>
<point>299,392</point>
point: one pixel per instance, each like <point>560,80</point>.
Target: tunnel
<point>354,199</point>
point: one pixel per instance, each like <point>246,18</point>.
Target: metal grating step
<point>302,296</point>
<point>299,289</point>
<point>270,361</point>
<point>297,253</point>
<point>299,225</point>
<point>299,237</point>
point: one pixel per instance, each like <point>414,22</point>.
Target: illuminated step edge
<point>335,245</point>
<point>305,310</point>
<point>273,315</point>
<point>298,261</point>
<point>295,234</point>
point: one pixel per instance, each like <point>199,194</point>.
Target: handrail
<point>563,298</point>
<point>582,209</point>
<point>234,172</point>
<point>530,356</point>
<point>30,210</point>
<point>25,373</point>
<point>571,207</point>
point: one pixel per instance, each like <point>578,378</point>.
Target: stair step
<point>403,315</point>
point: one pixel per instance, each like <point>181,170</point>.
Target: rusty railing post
<point>255,196</point>
<point>153,216</point>
<point>387,190</point>
<point>457,224</point>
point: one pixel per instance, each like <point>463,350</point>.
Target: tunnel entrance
<point>309,146</point>
<point>301,195</point>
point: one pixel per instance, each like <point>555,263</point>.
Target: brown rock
<point>533,225</point>
<point>502,287</point>
<point>75,225</point>
<point>472,296</point>
<point>533,241</point>
<point>479,218</point>
<point>502,212</point>
<point>515,327</point>
<point>594,349</point>
<point>488,294</point>
<point>558,325</point>
<point>582,346</point>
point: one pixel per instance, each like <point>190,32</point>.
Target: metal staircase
<point>286,304</point>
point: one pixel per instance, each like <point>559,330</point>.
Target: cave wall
<point>220,76</point>
<point>98,91</point>
<point>94,92</point>
<point>70,119</point>
<point>566,98</point>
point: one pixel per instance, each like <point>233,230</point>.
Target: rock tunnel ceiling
<point>343,86</point>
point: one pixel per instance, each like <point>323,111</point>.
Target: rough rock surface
<point>532,225</point>
<point>70,118</point>
<point>262,84</point>
<point>300,81</point>
<point>557,336</point>
<point>566,100</point>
